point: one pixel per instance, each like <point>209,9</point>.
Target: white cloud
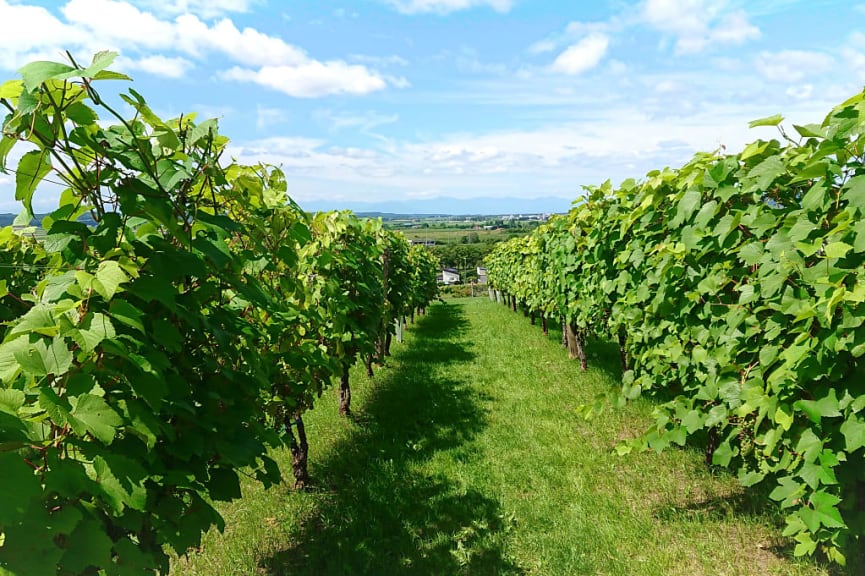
<point>447,6</point>
<point>92,25</point>
<point>30,31</point>
<point>608,136</point>
<point>381,61</point>
<point>366,121</point>
<point>698,24</point>
<point>268,117</point>
<point>168,67</point>
<point>249,46</point>
<point>855,62</point>
<point>582,56</point>
<point>312,79</point>
<point>202,8</point>
<point>667,87</point>
<point>728,64</point>
<point>802,92</point>
<point>102,19</point>
<point>792,65</point>
<point>542,46</point>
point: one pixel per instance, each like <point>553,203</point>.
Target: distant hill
<point>397,209</point>
<point>446,206</point>
<point>7,219</point>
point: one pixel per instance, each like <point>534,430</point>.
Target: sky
<point>408,101</point>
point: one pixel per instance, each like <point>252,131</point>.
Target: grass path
<point>466,457</point>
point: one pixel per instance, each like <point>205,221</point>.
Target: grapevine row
<point>148,360</point>
<point>734,285</point>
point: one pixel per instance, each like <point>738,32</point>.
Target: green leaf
<point>853,430</point>
<point>11,400</point>
<point>773,120</point>
<point>30,546</point>
<point>783,418</point>
<point>765,173</point>
<point>94,328</point>
<point>688,205</point>
<point>854,193</point>
<point>122,481</point>
<point>200,131</point>
<point>110,75</point>
<point>693,421</point>
<point>36,73</point>
<point>788,491</point>
<point>859,231</point>
<point>826,407</point>
<point>810,131</point>
<point>126,313</point>
<point>32,168</point>
<point>11,89</point>
<point>81,114</point>
<point>56,407</point>
<point>129,560</point>
<point>9,351</point>
<point>809,445</point>
<point>224,484</point>
<point>816,198</point>
<point>814,474</point>
<point>91,414</point>
<point>101,61</point>
<point>21,488</point>
<point>6,145</point>
<point>837,249</point>
<point>31,359</point>
<point>58,357</point>
<point>750,253</point>
<point>38,319</point>
<point>724,454</point>
<point>806,545</point>
<point>87,546</point>
<point>109,277</point>
<point>750,478</point>
<point>824,512</point>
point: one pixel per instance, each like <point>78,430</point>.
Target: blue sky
<point>381,100</point>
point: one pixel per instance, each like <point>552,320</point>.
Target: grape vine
<point>150,359</point>
<point>736,286</point>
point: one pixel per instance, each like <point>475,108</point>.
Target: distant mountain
<point>447,206</point>
<point>7,219</point>
<point>427,207</point>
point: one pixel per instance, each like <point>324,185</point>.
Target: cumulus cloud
<point>582,56</point>
<point>202,8</point>
<point>392,60</point>
<point>699,24</point>
<point>365,121</point>
<point>447,6</point>
<point>792,65</point>
<point>311,79</point>
<point>263,59</point>
<point>542,46</point>
<point>268,117</point>
<point>158,65</point>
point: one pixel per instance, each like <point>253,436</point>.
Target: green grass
<point>466,456</point>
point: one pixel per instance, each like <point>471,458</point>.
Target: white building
<point>449,276</point>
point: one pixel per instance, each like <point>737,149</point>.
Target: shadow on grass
<point>377,511</point>
<point>753,503</point>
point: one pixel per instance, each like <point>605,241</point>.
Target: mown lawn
<point>466,456</point>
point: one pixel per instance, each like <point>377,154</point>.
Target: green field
<point>455,235</point>
<point>466,456</point>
